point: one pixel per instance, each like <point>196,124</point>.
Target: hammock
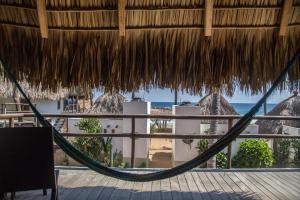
<point>225,140</point>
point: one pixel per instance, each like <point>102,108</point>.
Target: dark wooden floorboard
<point>200,185</point>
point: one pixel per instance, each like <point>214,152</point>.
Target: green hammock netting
<point>234,132</point>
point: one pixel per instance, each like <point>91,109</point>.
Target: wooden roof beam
<point>42,15</point>
<point>285,14</point>
<point>122,16</point>
<point>208,17</point>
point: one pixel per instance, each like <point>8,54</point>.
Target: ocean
<point>241,108</point>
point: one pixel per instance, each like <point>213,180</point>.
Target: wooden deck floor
<point>195,185</point>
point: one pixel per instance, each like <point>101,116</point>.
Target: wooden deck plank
<point>225,188</point>
<point>221,193</point>
<point>261,185</point>
<point>155,191</point>
<point>271,186</point>
<point>137,191</point>
<point>209,187</point>
<point>70,186</point>
<point>276,185</point>
<point>99,187</point>
<point>293,175</point>
<point>109,187</point>
<point>176,195</point>
<point>286,186</point>
<point>122,190</point>
<point>146,191</point>
<point>202,185</point>
<point>289,180</point>
<point>224,185</point>
<point>196,194</point>
<point>166,189</point>
<point>184,188</point>
<point>242,186</point>
<point>237,192</point>
<point>253,188</point>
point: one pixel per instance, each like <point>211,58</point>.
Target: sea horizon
<point>241,108</point>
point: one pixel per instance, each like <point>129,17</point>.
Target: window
<point>58,105</point>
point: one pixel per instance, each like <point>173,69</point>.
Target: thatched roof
<point>206,106</point>
<point>34,93</point>
<point>78,91</point>
<point>288,107</point>
<point>164,43</point>
<point>108,103</point>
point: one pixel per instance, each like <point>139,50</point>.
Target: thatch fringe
<point>151,54</point>
<point>179,58</point>
<point>34,93</point>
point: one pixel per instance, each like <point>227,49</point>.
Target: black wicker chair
<point>26,161</point>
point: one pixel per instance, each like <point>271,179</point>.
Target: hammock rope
<point>225,140</point>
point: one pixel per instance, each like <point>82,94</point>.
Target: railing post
<point>67,125</point>
<point>11,122</point>
<point>132,163</point>
<point>229,146</point>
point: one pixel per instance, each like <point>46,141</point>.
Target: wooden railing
<point>133,135</point>
<point>4,108</point>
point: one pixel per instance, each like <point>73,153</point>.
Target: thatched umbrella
<point>288,107</point>
<point>108,103</point>
<point>215,104</point>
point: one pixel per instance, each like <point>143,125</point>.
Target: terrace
<point>77,182</point>
<point>123,45</point>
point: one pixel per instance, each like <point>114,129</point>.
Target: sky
<point>165,95</point>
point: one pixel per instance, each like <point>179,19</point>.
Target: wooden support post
<point>132,163</point>
<point>229,146</point>
<point>285,14</point>
<point>122,17</point>
<point>42,15</point>
<point>208,17</point>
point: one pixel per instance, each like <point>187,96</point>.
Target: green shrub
<point>142,165</point>
<point>124,165</point>
<point>281,152</point>
<point>221,158</point>
<point>89,145</point>
<point>253,154</point>
<point>95,148</point>
<point>202,146</point>
<point>90,125</point>
<point>296,147</point>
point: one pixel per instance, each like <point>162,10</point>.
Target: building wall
<point>49,106</point>
<point>141,126</point>
<point>183,152</point>
<point>116,126</point>
<point>291,130</point>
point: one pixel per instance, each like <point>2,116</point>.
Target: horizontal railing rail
<point>179,136</point>
<point>133,135</point>
<point>150,116</point>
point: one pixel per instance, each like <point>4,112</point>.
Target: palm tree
<point>216,102</point>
